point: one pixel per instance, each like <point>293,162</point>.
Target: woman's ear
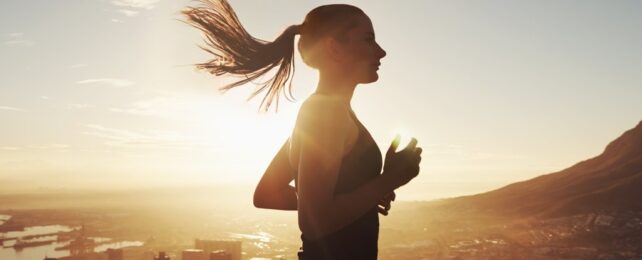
<point>334,49</point>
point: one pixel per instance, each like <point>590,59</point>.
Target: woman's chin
<point>373,78</point>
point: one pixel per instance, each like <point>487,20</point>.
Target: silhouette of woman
<point>340,187</point>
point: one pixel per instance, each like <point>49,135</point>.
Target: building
<point>86,256</point>
<point>194,254</point>
<point>231,247</point>
<point>81,245</point>
<point>137,253</point>
<point>115,254</point>
<point>199,254</point>
<point>604,220</point>
<point>161,256</point>
<point>220,255</point>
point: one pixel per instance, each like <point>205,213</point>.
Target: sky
<point>102,94</point>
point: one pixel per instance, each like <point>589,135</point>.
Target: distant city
<point>598,235</point>
<point>75,244</point>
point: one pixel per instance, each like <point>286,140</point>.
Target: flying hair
<point>238,53</point>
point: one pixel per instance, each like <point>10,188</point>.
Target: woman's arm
<point>274,190</point>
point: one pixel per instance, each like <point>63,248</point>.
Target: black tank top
<point>359,239</point>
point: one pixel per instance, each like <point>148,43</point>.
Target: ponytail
<point>237,52</point>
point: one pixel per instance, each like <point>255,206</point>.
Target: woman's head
<point>341,37</point>
<point>332,37</point>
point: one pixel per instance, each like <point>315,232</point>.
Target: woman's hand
<point>401,167</point>
<point>384,205</point>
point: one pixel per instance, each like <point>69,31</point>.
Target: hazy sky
<point>100,93</point>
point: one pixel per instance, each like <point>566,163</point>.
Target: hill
<point>609,181</point>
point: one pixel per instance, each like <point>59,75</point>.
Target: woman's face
<point>361,53</point>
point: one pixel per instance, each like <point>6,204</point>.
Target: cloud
<point>129,13</point>
<point>79,65</point>
<point>53,146</point>
<point>12,109</point>
<point>184,108</point>
<point>142,4</point>
<point>120,137</point>
<point>118,83</point>
<point>50,146</point>
<point>174,107</point>
<point>132,4</point>
<point>454,153</point>
<point>16,39</point>
<point>31,147</point>
<point>19,43</point>
<point>78,106</point>
<point>157,106</point>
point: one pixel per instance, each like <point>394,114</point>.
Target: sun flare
<point>405,134</point>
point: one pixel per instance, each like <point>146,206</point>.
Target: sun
<point>405,133</point>
<point>241,134</point>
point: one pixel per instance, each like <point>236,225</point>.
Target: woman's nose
<point>382,52</point>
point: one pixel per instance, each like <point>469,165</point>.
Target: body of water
<point>36,230</point>
<point>4,218</point>
<point>49,250</point>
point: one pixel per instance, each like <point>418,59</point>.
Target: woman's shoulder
<point>325,99</point>
<point>322,110</point>
<point>323,104</point>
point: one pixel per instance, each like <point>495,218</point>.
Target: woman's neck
<point>337,86</point>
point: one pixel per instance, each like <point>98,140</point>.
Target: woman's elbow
<point>259,200</point>
<point>260,204</point>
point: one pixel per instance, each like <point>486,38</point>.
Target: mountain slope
<point>610,181</point>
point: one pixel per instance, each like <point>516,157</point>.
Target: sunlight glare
<point>405,134</point>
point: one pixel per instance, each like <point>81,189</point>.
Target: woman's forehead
<point>363,25</point>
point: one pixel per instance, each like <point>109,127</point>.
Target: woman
<point>339,184</point>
